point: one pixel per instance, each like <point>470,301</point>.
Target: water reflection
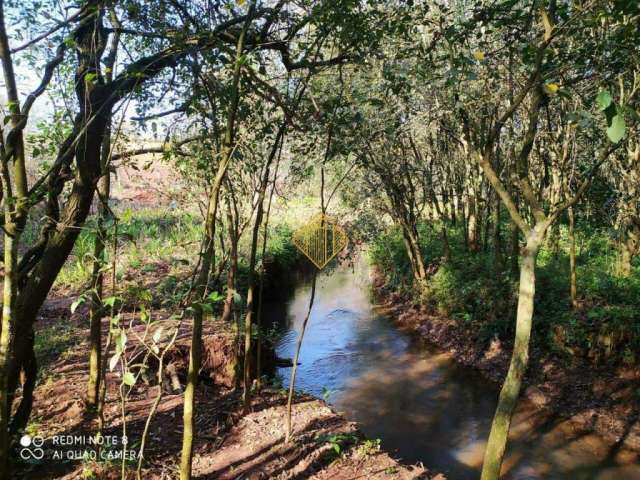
<point>422,406</point>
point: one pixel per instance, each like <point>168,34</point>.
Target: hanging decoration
<point>320,240</point>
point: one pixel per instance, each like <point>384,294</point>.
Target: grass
<point>482,298</point>
<point>145,237</point>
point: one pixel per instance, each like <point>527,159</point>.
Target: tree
<point>166,36</point>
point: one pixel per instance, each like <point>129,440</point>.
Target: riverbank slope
<point>228,444</point>
<point>594,399</point>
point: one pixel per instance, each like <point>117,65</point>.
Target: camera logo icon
<point>32,447</point>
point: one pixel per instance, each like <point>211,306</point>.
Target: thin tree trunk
<point>97,280</point>
<point>97,276</point>
<point>472,224</point>
<point>195,354</point>
<point>510,391</point>
<point>294,368</point>
<point>410,254</point>
<point>487,219</point>
<point>265,236</point>
<point>415,243</point>
<point>233,267</point>
<point>572,260</point>
<point>248,321</point>
<point>453,208</point>
<point>497,239</point>
<point>412,244</point>
<point>102,391</point>
<point>445,242</point>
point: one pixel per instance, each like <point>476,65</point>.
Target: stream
<point>416,400</point>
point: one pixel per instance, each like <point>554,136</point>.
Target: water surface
<point>423,406</point>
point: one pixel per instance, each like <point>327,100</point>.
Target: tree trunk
<point>233,267</point>
<point>510,391</point>
<point>628,248</point>
<point>497,239</point>
<point>412,245</point>
<point>195,355</point>
<point>8,301</point>
<point>294,368</point>
<point>472,225</point>
<point>414,239</point>
<point>248,320</point>
<point>553,240</point>
<point>97,278</point>
<point>488,223</point>
<point>102,391</point>
<point>83,144</point>
<point>410,254</point>
<point>14,189</point>
<point>445,243</point>
<point>265,236</point>
<point>572,261</point>
<point>515,248</point>
<point>246,394</point>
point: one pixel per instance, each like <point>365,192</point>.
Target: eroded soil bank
<point>601,400</point>
<point>229,445</point>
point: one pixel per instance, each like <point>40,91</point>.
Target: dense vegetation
<point>481,296</point>
<point>487,151</point>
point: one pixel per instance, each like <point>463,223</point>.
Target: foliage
<point>482,299</point>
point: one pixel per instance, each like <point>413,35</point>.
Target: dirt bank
<point>603,399</point>
<point>229,444</point>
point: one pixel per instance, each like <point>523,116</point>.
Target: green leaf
<point>90,77</point>
<point>115,320</point>
<point>617,128</point>
<point>129,379</point>
<point>12,106</point>
<point>604,100</point>
<point>109,301</point>
<point>215,297</point>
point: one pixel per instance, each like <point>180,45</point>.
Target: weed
<point>339,441</point>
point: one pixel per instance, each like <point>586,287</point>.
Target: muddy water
<point>422,406</point>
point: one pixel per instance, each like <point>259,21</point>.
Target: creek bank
<point>228,445</point>
<point>595,399</point>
